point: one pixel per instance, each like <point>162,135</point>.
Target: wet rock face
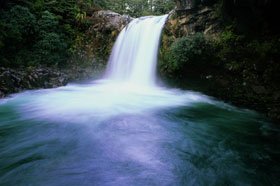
<point>16,80</point>
<point>21,79</point>
<point>203,20</point>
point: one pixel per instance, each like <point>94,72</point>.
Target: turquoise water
<point>170,138</point>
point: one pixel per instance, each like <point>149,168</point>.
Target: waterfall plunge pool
<point>125,130</point>
<point>106,134</point>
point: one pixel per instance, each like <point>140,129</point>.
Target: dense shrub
<point>238,52</point>
<point>192,50</point>
<point>228,52</point>
<point>51,47</point>
<point>137,8</point>
<point>36,32</point>
<point>18,27</point>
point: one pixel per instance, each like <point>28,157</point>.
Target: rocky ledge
<point>12,81</point>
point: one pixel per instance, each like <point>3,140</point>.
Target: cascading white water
<point>129,85</point>
<point>134,56</point>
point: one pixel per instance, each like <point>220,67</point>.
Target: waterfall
<point>125,130</point>
<point>129,85</point>
<point>134,56</point>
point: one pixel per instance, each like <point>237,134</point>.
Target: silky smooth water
<point>134,56</point>
<point>124,131</point>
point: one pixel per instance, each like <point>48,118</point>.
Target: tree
<point>137,8</point>
<point>18,26</point>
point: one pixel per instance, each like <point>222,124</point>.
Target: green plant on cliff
<point>41,32</point>
<point>238,52</point>
<point>51,47</point>
<point>18,26</point>
<point>194,49</point>
<point>137,8</point>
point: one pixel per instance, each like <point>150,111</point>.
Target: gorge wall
<point>208,49</point>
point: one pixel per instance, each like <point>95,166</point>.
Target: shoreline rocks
<point>17,80</point>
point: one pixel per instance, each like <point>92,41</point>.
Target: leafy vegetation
<point>239,51</point>
<point>39,32</point>
<point>189,50</point>
<point>49,32</point>
<point>138,8</point>
<point>229,51</point>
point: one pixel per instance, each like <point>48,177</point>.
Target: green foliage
<point>48,32</point>
<point>18,27</point>
<point>229,51</point>
<point>47,22</point>
<point>162,6</point>
<point>51,49</point>
<point>40,32</point>
<point>100,3</point>
<point>228,43</point>
<point>18,23</point>
<point>138,8</point>
<point>238,52</point>
<point>194,49</point>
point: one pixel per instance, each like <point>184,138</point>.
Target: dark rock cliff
<point>236,65</point>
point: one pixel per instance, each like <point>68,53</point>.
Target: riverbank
<point>87,61</point>
<point>203,53</point>
<point>17,80</point>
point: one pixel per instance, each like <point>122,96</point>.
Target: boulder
<point>108,20</point>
